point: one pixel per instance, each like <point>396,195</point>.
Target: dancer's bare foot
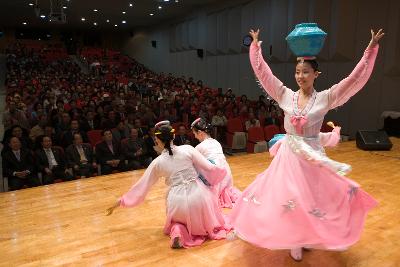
<point>296,254</point>
<point>177,243</point>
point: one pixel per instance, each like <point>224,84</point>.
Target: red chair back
<point>270,131</point>
<point>255,134</point>
<point>94,137</point>
<point>234,125</point>
<point>60,148</point>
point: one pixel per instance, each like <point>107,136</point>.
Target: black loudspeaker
<point>373,140</point>
<point>154,44</point>
<point>200,53</point>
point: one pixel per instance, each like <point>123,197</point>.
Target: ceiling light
<point>108,21</point>
<point>115,25</point>
<point>83,19</point>
<point>31,4</point>
<point>123,12</point>
<point>42,16</point>
<point>159,7</point>
<point>130,5</point>
<point>64,7</point>
<point>124,21</point>
<point>24,23</point>
<point>151,14</point>
<point>176,1</point>
<point>95,23</point>
<point>166,0</point>
<point>95,10</point>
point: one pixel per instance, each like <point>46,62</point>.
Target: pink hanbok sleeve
<point>340,93</point>
<point>330,139</point>
<point>275,148</point>
<point>213,173</point>
<point>271,84</point>
<point>138,191</point>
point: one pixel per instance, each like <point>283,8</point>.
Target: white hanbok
<point>225,191</point>
<point>193,213</point>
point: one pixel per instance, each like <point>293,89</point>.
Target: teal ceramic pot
<point>306,40</point>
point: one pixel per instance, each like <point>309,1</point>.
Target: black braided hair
<point>165,133</point>
<point>201,124</point>
<point>313,63</point>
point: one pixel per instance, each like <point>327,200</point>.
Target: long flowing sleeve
<point>213,173</point>
<point>271,84</point>
<point>138,191</point>
<point>330,139</point>
<point>340,93</point>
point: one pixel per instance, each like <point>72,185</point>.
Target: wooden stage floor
<point>64,224</point>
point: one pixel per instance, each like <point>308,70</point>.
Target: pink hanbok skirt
<point>298,202</point>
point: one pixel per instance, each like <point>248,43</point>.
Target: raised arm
<point>213,173</point>
<point>272,85</point>
<point>138,191</point>
<point>340,93</point>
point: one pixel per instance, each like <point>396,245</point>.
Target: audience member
<point>18,166</point>
<point>51,162</point>
<point>109,154</point>
<point>136,151</point>
<point>80,158</point>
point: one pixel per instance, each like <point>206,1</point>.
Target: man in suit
<point>80,158</point>
<point>121,132</point>
<point>142,131</point>
<point>18,166</point>
<point>150,141</point>
<point>51,162</point>
<point>109,154</point>
<point>68,136</point>
<point>182,138</point>
<point>90,122</point>
<point>136,152</point>
<point>111,121</point>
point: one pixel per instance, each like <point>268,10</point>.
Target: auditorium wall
<point>219,30</point>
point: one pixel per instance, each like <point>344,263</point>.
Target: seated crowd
<point>54,108</point>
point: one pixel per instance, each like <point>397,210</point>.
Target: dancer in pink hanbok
<point>212,150</point>
<point>303,199</point>
<point>193,214</point>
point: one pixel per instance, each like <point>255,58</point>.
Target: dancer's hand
<point>254,35</point>
<point>110,210</point>
<point>375,37</point>
<point>331,124</point>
